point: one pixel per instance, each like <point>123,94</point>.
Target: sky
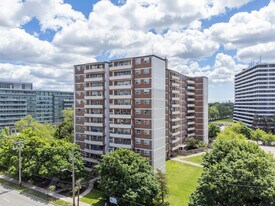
<point>41,40</point>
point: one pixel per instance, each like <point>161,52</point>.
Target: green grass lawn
<point>35,193</point>
<point>228,120</point>
<point>182,181</point>
<point>195,159</point>
<point>95,198</point>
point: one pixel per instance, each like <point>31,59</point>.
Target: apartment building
<point>18,99</point>
<point>137,103</point>
<point>254,93</point>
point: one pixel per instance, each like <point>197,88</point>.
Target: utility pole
<point>19,145</point>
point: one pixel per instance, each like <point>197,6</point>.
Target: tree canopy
<point>127,176</point>
<point>213,131</point>
<point>66,129</point>
<point>236,172</point>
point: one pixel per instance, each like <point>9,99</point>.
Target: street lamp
<point>19,145</point>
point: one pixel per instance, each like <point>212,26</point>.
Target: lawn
<point>228,120</point>
<point>195,159</point>
<point>182,181</point>
<point>95,198</point>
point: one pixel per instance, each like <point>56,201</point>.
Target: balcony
<point>91,151</point>
<point>95,79</point>
<point>121,67</point>
<point>175,91</point>
<point>93,115</point>
<point>120,77</point>
<point>89,159</point>
<point>190,105</point>
<point>93,97</point>
<point>176,140</point>
<point>93,142</point>
<point>125,136</point>
<point>191,134</point>
<point>121,87</point>
<point>93,124</point>
<point>175,112</point>
<point>190,117</point>
<point>176,133</point>
<point>176,119</point>
<point>121,116</point>
<point>93,106</point>
<point>126,146</point>
<point>190,88</point>
<point>175,78</point>
<point>175,105</point>
<point>122,106</point>
<point>176,147</point>
<point>123,126</point>
<point>176,98</point>
<point>176,126</point>
<point>121,96</point>
<point>190,93</point>
<point>190,82</point>
<point>190,123</point>
<point>175,84</point>
<point>93,88</point>
<point>89,71</point>
<point>190,99</point>
<point>190,129</point>
<point>93,133</point>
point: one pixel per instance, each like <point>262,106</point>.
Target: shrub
<point>193,143</point>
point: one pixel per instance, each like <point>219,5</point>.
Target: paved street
<point>10,197</point>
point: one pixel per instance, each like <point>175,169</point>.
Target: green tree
<point>268,138</point>
<point>213,131</point>
<point>42,130</point>
<point>128,176</point>
<point>240,128</point>
<point>5,132</point>
<point>236,172</point>
<point>258,135</point>
<point>66,129</point>
<point>163,189</point>
<point>41,155</point>
<point>213,113</point>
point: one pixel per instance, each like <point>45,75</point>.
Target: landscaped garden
<point>195,159</point>
<point>227,120</point>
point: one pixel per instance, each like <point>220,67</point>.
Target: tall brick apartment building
<point>137,103</point>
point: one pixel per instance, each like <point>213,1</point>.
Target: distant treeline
<point>219,110</point>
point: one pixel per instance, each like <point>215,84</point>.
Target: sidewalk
<point>187,162</point>
<point>44,191</point>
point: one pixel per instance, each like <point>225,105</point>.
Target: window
<point>138,101</point>
<point>138,81</point>
<point>146,152</point>
<point>146,112</point>
<point>138,91</point>
<point>146,91</point>
<point>138,151</point>
<point>147,132</point>
<point>138,111</point>
<point>138,131</point>
<point>146,122</point>
<point>146,81</point>
<point>146,60</point>
<point>138,71</point>
<point>146,71</point>
<point>138,121</point>
<point>138,60</point>
<point>146,101</point>
<point>146,142</point>
<point>138,141</point>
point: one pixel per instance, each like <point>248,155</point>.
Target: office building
<point>18,99</point>
<point>254,93</point>
<point>137,103</point>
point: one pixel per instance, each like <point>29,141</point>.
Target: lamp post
<point>19,145</point>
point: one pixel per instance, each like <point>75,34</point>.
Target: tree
<point>41,156</point>
<point>66,129</point>
<point>240,128</point>
<point>42,130</point>
<point>268,138</point>
<point>213,131</point>
<point>258,135</point>
<point>128,176</point>
<point>5,132</point>
<point>163,189</point>
<point>236,172</point>
<point>213,113</point>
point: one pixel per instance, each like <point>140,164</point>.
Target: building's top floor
<point>15,85</point>
<point>27,88</point>
<point>250,69</point>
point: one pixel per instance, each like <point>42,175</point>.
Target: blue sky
<point>42,39</point>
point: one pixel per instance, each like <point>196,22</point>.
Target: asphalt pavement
<point>11,197</point>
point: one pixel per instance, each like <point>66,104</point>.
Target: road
<point>11,197</point>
